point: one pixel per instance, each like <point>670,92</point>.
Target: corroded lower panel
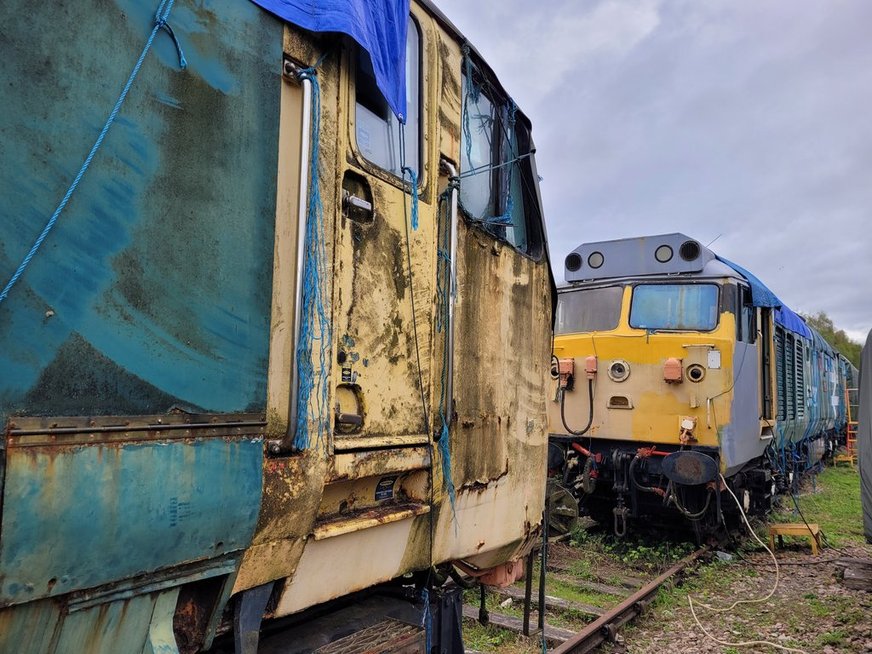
<point>343,564</point>
<point>86,509</point>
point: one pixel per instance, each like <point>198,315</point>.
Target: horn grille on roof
<point>632,257</point>
<point>689,250</point>
<point>573,262</point>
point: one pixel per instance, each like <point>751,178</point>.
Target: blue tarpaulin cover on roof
<point>378,26</point>
<point>789,320</point>
<point>761,296</point>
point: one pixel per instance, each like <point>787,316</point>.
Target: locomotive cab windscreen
<point>650,306</point>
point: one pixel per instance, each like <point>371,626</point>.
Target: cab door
<point>379,342</point>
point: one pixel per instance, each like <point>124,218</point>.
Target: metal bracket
<point>356,208</point>
<point>247,616</point>
<point>291,69</point>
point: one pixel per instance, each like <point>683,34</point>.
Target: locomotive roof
<point>481,62</point>
<point>663,254</point>
<point>668,256</point>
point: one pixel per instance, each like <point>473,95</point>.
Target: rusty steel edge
<point>30,431</point>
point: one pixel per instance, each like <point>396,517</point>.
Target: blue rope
<point>443,289</point>
<point>491,167</point>
<point>472,95</point>
<point>314,322</point>
<point>414,184</point>
<point>160,23</point>
<point>427,619</point>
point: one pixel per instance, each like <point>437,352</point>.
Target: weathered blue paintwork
<point>152,294</point>
<point>140,624</point>
<point>82,516</point>
<point>154,287</point>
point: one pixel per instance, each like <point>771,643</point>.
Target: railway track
<point>631,601</point>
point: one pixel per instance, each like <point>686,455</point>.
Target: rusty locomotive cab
<point>249,369</point>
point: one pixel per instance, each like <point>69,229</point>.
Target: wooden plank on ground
<point>551,602</point>
<point>554,635</point>
<point>857,573</point>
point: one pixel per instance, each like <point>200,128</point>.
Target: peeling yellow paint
<point>323,528</point>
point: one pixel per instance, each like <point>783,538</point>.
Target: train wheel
<point>562,510</point>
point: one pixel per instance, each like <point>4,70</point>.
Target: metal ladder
<point>851,405</point>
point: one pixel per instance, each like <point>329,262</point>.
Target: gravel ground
<point>811,610</point>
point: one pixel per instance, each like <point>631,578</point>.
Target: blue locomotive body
<point>229,367</point>
<point>145,316</point>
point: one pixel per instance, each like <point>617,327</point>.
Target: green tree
<point>835,337</point>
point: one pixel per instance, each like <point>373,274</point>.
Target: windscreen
<point>675,306</point>
<point>589,310</point>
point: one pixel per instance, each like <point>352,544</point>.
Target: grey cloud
<point>747,119</point>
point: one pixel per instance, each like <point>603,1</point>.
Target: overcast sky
<point>745,121</point>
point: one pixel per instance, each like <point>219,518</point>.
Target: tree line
<point>835,337</point>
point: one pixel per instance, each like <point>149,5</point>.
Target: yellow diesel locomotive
<point>676,372</point>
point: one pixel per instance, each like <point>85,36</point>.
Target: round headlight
<point>663,253</point>
<point>595,260</point>
<point>619,370</point>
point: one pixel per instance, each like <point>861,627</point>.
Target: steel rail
<point>606,626</point>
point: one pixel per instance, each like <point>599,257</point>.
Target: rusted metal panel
<point>378,462</point>
<point>29,629</point>
<point>78,516</point>
<point>351,562</point>
<point>340,525</point>
<point>501,425</point>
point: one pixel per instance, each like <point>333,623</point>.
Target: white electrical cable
<point>747,643</point>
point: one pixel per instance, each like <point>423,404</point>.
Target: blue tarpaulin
<point>790,321</point>
<point>378,26</point>
<point>761,296</point>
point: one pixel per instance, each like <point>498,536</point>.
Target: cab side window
<point>497,186</point>
<point>747,316</point>
<point>377,129</point>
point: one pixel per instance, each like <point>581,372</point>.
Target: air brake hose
<point>688,514</point>
<point>563,411</point>
<point>588,481</point>
<point>632,474</point>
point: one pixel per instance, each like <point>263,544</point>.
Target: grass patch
<point>635,550</point>
<point>582,568</point>
<point>494,639</point>
<point>833,502</point>
<point>559,588</point>
<point>836,637</point>
<point>704,579</point>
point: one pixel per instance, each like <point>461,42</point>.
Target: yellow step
<point>810,531</point>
